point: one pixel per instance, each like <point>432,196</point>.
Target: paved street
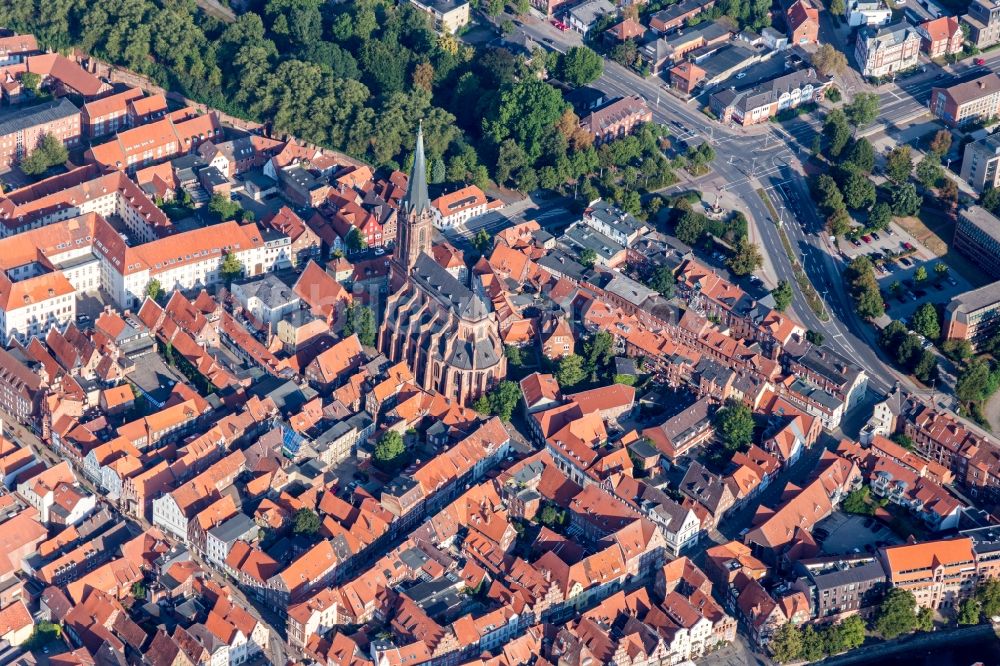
<point>768,157</point>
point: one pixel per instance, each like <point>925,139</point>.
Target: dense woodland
<point>357,77</point>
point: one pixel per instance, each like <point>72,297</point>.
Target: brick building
<point>617,119</point>
<point>978,99</point>
<point>974,315</point>
<point>22,128</point>
<point>894,48</point>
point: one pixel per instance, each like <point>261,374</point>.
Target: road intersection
<point>769,159</point>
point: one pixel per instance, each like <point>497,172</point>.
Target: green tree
<point>359,319</point>
<point>223,207</point>
<point>580,66</point>
<point>908,352</point>
<point>663,281</point>
<point>990,199</point>
<point>905,200</point>
<point>899,164</point>
<point>735,424</point>
<point>968,611</point>
<point>745,259</point>
<point>839,222</point>
<point>904,440</point>
<point>863,109</point>
<point>231,269</point>
<point>837,131</point>
<point>925,620</point>
<point>502,401</point>
<point>597,350</point>
<point>482,241</point>
<point>390,451</point>
<point>974,381</point>
<point>988,595</point>
<point>880,217</point>
<point>848,635</point>
<point>482,405</point>
<point>860,276</point>
<point>813,645</point>
<point>782,295</point>
<point>929,171</point>
<point>438,173</point>
<point>827,193</point>
<point>30,81</point>
<point>925,321</point>
<point>527,113</point>
<point>588,257</point>
<point>355,241</point>
<point>49,152</point>
<point>786,644</point>
<point>552,516</point>
<point>514,355</point>
<point>690,227</point>
<point>571,371</point>
<point>154,289</point>
<point>857,502</point>
<point>940,270</point>
<point>859,191</point>
<point>306,522</point>
<point>815,337</point>
<point>926,367</point>
<point>897,614</point>
<point>920,275</point>
<point>862,155</point>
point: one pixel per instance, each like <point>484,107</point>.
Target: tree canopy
<point>361,320</point>
<point>501,401</point>
<point>897,614</point>
<point>735,424</point>
<point>782,295</point>
<point>390,451</point>
<point>49,152</point>
<point>306,521</point>
<point>580,66</point>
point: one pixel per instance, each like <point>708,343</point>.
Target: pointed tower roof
<point>417,199</point>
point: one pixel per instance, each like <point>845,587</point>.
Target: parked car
<point>905,261</point>
<point>867,239</point>
<point>980,61</point>
<point>908,245</point>
<point>952,282</point>
<point>856,242</point>
<point>875,235</point>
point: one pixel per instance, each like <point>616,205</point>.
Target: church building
<point>442,327</point>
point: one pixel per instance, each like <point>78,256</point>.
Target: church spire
<point>415,230</point>
<point>416,199</point>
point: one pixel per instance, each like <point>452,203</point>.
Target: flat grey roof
<point>24,117</point>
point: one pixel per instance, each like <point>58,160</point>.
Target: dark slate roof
<point>701,485</point>
<point>871,571</point>
<point>416,198</point>
<point>24,117</point>
<point>444,286</point>
<point>232,529</point>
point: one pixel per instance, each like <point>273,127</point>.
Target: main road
<point>768,159</point>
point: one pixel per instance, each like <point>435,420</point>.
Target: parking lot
<point>848,534</point>
<point>901,301</point>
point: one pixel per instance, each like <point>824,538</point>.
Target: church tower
<point>416,229</point>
